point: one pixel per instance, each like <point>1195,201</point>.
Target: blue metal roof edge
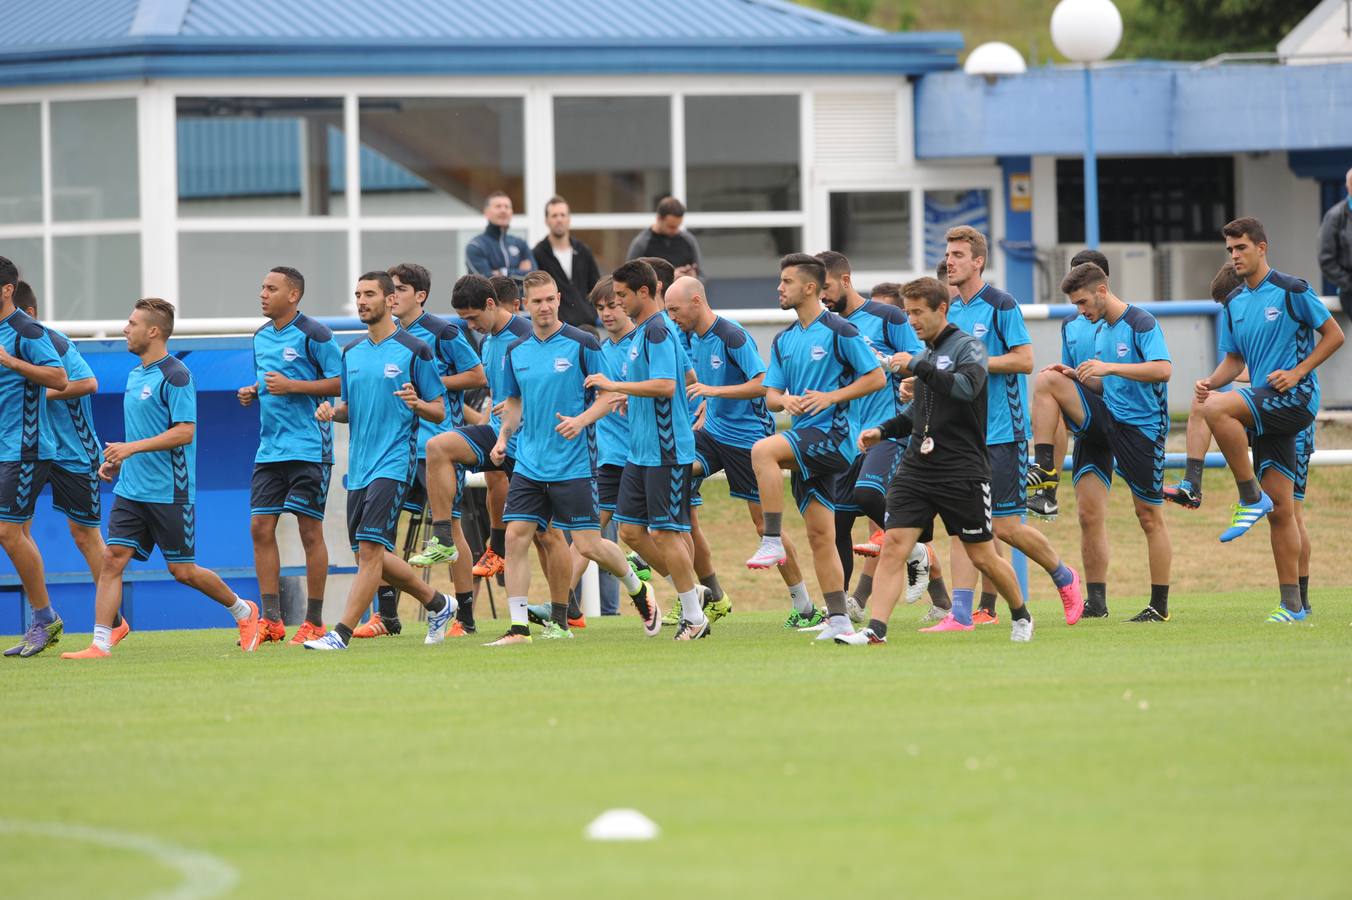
<point>912,53</point>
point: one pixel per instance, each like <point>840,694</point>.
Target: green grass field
<point>1206,757</point>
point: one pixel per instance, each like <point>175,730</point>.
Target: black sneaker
<point>1042,503</point>
<point>1149,614</point>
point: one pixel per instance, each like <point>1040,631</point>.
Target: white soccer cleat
<point>330,641</point>
<point>860,638</point>
<point>437,622</point>
<point>770,554</point>
<point>935,614</point>
<point>1022,631</point>
<point>918,572</point>
<point>855,610</point>
<point>830,632</point>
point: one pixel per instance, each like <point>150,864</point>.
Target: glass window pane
<point>219,274</point>
<point>608,245</point>
<point>441,155</point>
<point>741,265</point>
<point>742,153</point>
<point>96,276</point>
<point>441,252</point>
<point>260,156</point>
<point>94,160</point>
<point>26,254</point>
<point>21,174</point>
<point>873,229</point>
<point>948,209</point>
<point>612,154</point>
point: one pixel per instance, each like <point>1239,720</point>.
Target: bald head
<point>687,305</point>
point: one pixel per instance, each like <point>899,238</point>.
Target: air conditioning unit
<point>1131,270</point>
<point>1184,271</point>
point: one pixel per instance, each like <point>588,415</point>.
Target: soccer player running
<point>29,366</point>
<point>992,316</point>
<point>156,472</point>
<point>296,363</point>
<point>459,369</point>
<point>389,382</point>
<point>1268,325</point>
<point>1116,402</point>
<point>946,469</point>
<point>730,376</point>
<point>654,495</point>
<point>819,367</point>
<point>548,403</point>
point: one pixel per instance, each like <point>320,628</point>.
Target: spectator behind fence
<point>1335,245</point>
<point>666,239</point>
<point>495,252</point>
<point>571,264</point>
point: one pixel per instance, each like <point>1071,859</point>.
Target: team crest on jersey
<point>715,361</point>
<point>943,363</point>
<point>1121,350</point>
<point>818,353</point>
<point>633,352</point>
<point>979,330</point>
<point>392,370</point>
<point>290,354</point>
<point>145,392</point>
<point>1271,313</point>
<point>561,364</point>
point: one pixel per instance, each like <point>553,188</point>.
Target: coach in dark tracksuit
<point>1335,246</point>
<point>946,469</point>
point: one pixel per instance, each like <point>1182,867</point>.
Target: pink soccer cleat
<point>1072,597</point>
<point>948,624</point>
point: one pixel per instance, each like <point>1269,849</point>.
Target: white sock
<point>518,607</point>
<point>240,610</point>
<point>103,637</point>
<point>691,609</point>
<point>775,540</point>
<point>802,600</point>
<point>839,621</point>
<point>632,583</point>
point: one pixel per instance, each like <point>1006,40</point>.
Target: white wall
<point>1288,207</point>
<point>1323,31</point>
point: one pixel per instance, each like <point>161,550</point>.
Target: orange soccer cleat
<point>579,622</point>
<point>374,627</point>
<point>489,565</point>
<point>90,652</point>
<point>872,547</point>
<point>271,631</point>
<point>120,632</point>
<point>307,631</point>
<point>982,617</point>
<point>249,632</point>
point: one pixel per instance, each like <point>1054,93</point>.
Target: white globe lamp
<point>993,60</point>
<point>1086,31</point>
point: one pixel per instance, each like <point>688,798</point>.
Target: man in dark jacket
<point>1335,245</point>
<point>495,252</point>
<point>571,264</point>
<point>666,239</point>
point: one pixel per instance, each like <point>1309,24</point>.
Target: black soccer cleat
<point>1042,503</point>
<point>1184,494</point>
<point>1149,614</point>
<point>1092,611</point>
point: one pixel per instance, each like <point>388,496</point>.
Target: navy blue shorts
<point>373,513</point>
<point>1104,446</point>
<point>482,439</point>
<point>736,461</point>
<point>20,484</point>
<point>656,497</point>
<point>820,463</point>
<point>567,505</point>
<point>294,486</point>
<point>871,471</point>
<point>76,495</point>
<point>608,486</point>
<point>1304,448</point>
<point>1279,419</point>
<point>1009,472</point>
<point>144,526</point>
<point>416,498</point>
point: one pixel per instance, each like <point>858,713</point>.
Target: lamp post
<point>1087,31</point>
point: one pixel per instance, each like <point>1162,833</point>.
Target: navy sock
<point>465,610</point>
<point>45,616</point>
<point>1192,474</point>
<point>497,541</point>
<point>1042,456</point>
<point>1021,614</point>
<point>117,617</point>
<point>962,605</point>
<point>1062,576</point>
<point>314,610</point>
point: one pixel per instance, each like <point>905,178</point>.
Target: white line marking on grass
<point>204,875</point>
<point>622,825</point>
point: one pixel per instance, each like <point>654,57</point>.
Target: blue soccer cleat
<point>1284,616</point>
<point>37,638</point>
<point>1242,518</point>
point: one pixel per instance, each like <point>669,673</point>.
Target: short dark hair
<point>810,265</point>
<point>555,201</point>
<point>161,312</point>
<point>24,298</point>
<point>472,292</point>
<point>495,195</point>
<point>1222,286</point>
<point>603,291</point>
<point>670,206</point>
<point>636,274</point>
<point>941,272</point>
<point>294,279</point>
<point>9,273</point>
<point>926,289</point>
<point>1085,276</point>
<point>385,281</point>
<point>835,263</point>
<point>1246,226</point>
<point>504,289</point>
<point>886,289</point>
<point>1090,256</point>
<point>665,271</point>
<point>413,275</point>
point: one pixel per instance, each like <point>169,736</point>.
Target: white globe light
<point>1086,31</point>
<point>994,59</point>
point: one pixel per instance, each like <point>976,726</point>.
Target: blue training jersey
<point>886,331</point>
<point>994,317</point>
<point>25,433</point>
<point>495,366</point>
<point>1077,339</point>
<point>825,356</point>
<point>726,354</point>
<point>547,376</point>
<point>612,432</point>
<point>1273,327</point>
<point>453,354</point>
<point>1134,338</point>
<point>158,397</point>
<point>302,350</point>
<point>686,364</point>
<point>72,421</point>
<point>383,431</point>
<point>659,427</point>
